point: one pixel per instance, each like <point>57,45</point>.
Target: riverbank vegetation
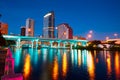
<point>5,43</point>
<point>91,45</point>
<point>97,45</point>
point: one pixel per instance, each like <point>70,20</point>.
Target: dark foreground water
<point>62,64</point>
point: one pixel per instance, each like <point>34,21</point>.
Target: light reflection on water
<point>64,64</point>
<point>17,56</point>
<point>117,65</point>
<point>61,64</point>
<point>27,66</point>
<point>55,69</point>
<point>108,60</point>
<point>91,65</point>
<point>84,58</point>
<point>79,58</point>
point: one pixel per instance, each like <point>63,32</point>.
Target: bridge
<point>21,40</point>
<point>117,40</point>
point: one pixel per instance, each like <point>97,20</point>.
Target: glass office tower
<point>48,25</point>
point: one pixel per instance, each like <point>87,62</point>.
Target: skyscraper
<point>48,25</point>
<point>4,28</point>
<point>30,27</point>
<point>65,31</point>
<point>23,30</point>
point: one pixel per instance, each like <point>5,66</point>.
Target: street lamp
<point>115,34</point>
<point>90,31</point>
<point>107,38</point>
<point>89,36</point>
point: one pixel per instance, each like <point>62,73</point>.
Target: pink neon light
<point>9,68</point>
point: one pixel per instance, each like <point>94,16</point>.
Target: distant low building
<point>4,28</point>
<point>82,38</point>
<point>79,38</point>
<point>75,37</point>
<point>23,31</point>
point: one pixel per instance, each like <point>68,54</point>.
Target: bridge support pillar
<point>36,46</point>
<point>58,44</point>
<point>83,43</point>
<point>75,44</point>
<point>64,44</point>
<point>51,43</point>
<point>32,43</point>
<point>71,44</point>
<point>18,43</point>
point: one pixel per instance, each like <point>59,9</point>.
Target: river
<point>65,64</point>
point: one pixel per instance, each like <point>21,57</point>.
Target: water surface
<point>65,64</point>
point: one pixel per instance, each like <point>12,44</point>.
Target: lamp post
<point>107,38</point>
<point>90,31</point>
<point>115,34</point>
<point>89,35</point>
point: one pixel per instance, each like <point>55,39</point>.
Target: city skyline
<point>101,16</point>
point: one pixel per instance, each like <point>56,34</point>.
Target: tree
<point>95,42</point>
<point>112,43</point>
<point>2,40</point>
<point>10,42</point>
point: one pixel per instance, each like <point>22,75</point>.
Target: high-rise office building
<point>23,31</point>
<point>65,31</point>
<point>30,27</point>
<point>4,28</point>
<point>48,25</point>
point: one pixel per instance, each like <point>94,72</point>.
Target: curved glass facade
<point>48,25</point>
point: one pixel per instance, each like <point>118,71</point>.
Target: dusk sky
<point>101,16</point>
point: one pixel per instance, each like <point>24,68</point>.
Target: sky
<point>100,16</point>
